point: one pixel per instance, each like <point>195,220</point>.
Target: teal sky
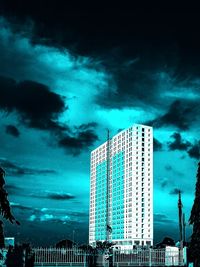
<point>56,103</point>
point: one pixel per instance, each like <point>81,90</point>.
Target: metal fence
<point>136,257</point>
<point>148,257</point>
<point>60,256</point>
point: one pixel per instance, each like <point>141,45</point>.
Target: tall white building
<point>121,189</point>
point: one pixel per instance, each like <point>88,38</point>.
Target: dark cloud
<point>86,126</point>
<point>181,114</point>
<point>83,138</point>
<point>40,108</point>
<point>79,214</point>
<point>123,43</point>
<point>54,196</point>
<point>157,145</point>
<point>37,106</point>
<point>178,143</point>
<point>164,183</point>
<point>132,27</point>
<point>175,172</point>
<point>175,191</point>
<point>59,196</point>
<point>194,151</point>
<point>21,207</point>
<point>161,218</point>
<point>12,130</point>
<point>131,88</point>
<point>168,167</point>
<point>15,170</point>
<point>83,26</point>
<point>13,189</point>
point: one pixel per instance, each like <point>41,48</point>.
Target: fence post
<point>84,260</point>
<point>149,256</point>
<point>23,257</point>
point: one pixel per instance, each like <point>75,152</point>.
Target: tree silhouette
<point>65,243</point>
<point>101,247</point>
<point>194,246</point>
<point>5,209</point>
<point>167,241</point>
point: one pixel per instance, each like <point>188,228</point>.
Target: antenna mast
<point>108,228</point>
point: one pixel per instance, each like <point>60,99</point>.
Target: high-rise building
<point>121,189</point>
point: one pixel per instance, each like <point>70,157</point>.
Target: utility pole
<point>180,206</point>
<point>73,237</point>
<point>180,216</point>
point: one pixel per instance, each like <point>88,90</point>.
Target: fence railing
<point>59,255</point>
<point>148,257</point>
<point>136,257</point>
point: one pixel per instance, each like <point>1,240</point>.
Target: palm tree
<point>5,209</point>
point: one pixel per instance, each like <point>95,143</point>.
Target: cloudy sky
<point>67,73</point>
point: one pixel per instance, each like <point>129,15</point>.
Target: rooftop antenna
<point>108,227</point>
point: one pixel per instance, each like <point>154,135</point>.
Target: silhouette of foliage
<point>14,257</point>
<point>65,243</point>
<point>167,241</point>
<point>5,209</point>
<point>86,247</point>
<point>194,246</point>
<point>102,246</point>
<point>29,255</point>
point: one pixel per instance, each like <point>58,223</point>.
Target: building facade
<point>121,189</point>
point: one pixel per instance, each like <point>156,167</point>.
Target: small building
<point>171,256</point>
<point>9,241</point>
